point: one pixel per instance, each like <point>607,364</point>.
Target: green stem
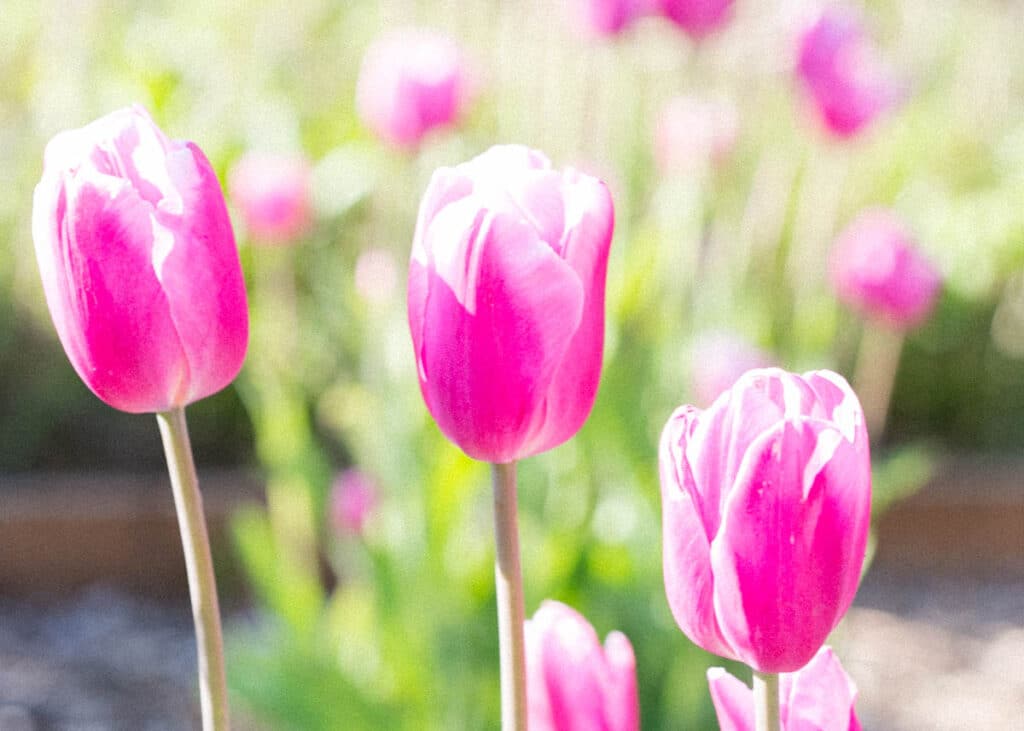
<point>878,360</point>
<point>213,693</point>
<point>509,584</point>
<point>766,701</point>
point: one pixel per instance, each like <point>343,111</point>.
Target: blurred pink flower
<point>605,17</point>
<point>354,497</point>
<point>698,18</point>
<point>766,502</point>
<point>573,683</point>
<point>876,270</point>
<point>818,697</point>
<point>272,194</point>
<point>843,74</point>
<point>506,301</point>
<point>376,275</point>
<point>411,82</point>
<point>139,264</point>
<point>717,361</point>
<point>693,133</point>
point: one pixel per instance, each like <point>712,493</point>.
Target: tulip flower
<point>139,264</point>
<point>766,499</point>
<point>877,270</point>
<point>376,275</point>
<point>717,360</point>
<point>411,82</point>
<point>144,286</point>
<point>506,309</point>
<point>353,499</point>
<point>818,697</point>
<point>573,682</point>
<point>698,18</point>
<point>693,134</point>
<point>843,75</point>
<point>506,301</point>
<point>272,193</point>
<point>605,17</point>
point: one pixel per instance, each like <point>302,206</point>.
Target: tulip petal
<point>821,696</point>
<point>784,563</point>
<point>733,701</point>
<point>108,305</point>
<point>689,582</point>
<point>622,705</point>
<point>501,308</point>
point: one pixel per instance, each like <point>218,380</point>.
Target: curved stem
<point>766,701</point>
<point>509,584</point>
<point>213,693</point>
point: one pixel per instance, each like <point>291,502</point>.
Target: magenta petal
<point>108,306</point>
<point>821,696</point>
<point>789,551</point>
<point>689,582</point>
<point>734,701</point>
<point>622,705</point>
<point>501,308</point>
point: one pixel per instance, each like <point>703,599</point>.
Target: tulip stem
<point>508,580</point>
<point>878,360</point>
<point>188,502</point>
<point>766,701</point>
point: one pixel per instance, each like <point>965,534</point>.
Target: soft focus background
<point>375,608</point>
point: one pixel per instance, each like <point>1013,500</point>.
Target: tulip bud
<point>506,301</point>
<point>843,75</point>
<point>819,696</point>
<point>573,682</point>
<point>272,194</point>
<point>605,17</point>
<point>698,18</point>
<point>876,270</point>
<point>139,264</point>
<point>766,499</point>
<point>411,82</point>
<point>717,360</point>
<point>353,500</point>
<point>694,134</point>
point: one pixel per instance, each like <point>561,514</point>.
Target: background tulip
<point>876,269</point>
<point>717,360</point>
<point>411,82</point>
<point>272,194</point>
<point>840,69</point>
<point>605,17</point>
<point>506,301</point>
<point>693,133</point>
<point>139,265</point>
<point>818,697</point>
<point>353,499</point>
<point>766,499</point>
<point>575,684</point>
<point>697,17</point>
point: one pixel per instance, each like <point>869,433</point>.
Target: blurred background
<point>354,543</point>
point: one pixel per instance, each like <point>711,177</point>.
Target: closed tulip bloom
<point>818,697</point>
<point>693,134</point>
<point>842,73</point>
<point>876,269</point>
<point>506,301</point>
<point>605,17</point>
<point>139,264</point>
<point>698,18</point>
<point>573,683</point>
<point>766,498</point>
<point>272,194</point>
<point>411,82</point>
<point>717,361</point>
<point>353,500</point>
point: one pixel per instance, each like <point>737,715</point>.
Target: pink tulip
<point>876,270</point>
<point>139,264</point>
<point>818,697</point>
<point>411,82</point>
<point>842,73</point>
<point>718,359</point>
<point>698,18</point>
<point>272,194</point>
<point>766,498</point>
<point>694,133</point>
<point>573,683</point>
<point>353,500</point>
<point>506,301</point>
<point>605,17</point>
<point>376,275</point>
